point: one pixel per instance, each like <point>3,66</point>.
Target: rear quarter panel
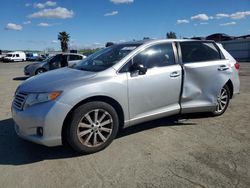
<point>235,74</point>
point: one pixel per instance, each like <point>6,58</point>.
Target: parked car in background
<point>32,57</point>
<point>15,56</point>
<point>123,85</point>
<point>52,63</point>
<point>2,56</point>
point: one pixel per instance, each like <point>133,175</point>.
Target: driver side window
<point>55,62</point>
<point>159,55</point>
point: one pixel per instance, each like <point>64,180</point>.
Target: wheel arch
<point>231,88</point>
<point>116,105</point>
<point>40,68</point>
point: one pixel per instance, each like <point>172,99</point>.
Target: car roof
<point>14,52</point>
<point>148,41</point>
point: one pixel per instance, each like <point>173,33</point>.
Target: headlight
<point>35,98</point>
<point>26,67</point>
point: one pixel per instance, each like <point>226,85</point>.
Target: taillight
<point>237,65</point>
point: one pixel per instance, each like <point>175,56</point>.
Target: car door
<point>156,93</point>
<point>17,57</point>
<point>13,58</point>
<point>206,71</point>
<point>74,59</point>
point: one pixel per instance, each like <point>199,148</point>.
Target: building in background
<point>238,48</point>
<point>217,37</point>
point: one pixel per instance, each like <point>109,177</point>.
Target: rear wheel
<point>93,127</point>
<point>222,101</point>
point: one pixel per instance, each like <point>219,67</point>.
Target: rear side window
<point>160,55</point>
<point>199,51</point>
<point>17,55</point>
<point>74,57</point>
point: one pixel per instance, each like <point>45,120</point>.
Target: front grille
<point>19,100</point>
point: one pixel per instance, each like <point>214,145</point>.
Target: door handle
<point>174,74</point>
<point>223,68</point>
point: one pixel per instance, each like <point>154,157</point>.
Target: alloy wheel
<point>40,71</point>
<point>95,128</point>
<point>222,101</point>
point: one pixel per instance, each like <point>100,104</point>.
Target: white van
<point>15,56</point>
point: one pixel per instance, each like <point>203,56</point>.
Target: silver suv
<point>123,85</point>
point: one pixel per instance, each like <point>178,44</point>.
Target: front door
<point>156,93</point>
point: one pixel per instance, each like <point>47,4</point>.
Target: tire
<point>93,127</point>
<point>40,71</point>
<point>222,101</point>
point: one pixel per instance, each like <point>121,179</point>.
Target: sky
<point>35,24</point>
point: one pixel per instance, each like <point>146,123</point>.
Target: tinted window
<point>64,61</point>
<point>54,63</point>
<point>126,67</point>
<point>74,57</point>
<point>56,58</point>
<point>199,51</point>
<point>17,55</point>
<point>156,56</point>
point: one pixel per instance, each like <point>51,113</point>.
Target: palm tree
<point>64,39</point>
<point>171,35</point>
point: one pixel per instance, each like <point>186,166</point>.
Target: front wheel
<point>40,71</point>
<point>222,101</point>
<point>93,127</point>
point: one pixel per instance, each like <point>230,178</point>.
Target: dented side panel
<point>202,83</point>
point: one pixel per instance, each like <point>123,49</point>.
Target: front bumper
<point>7,60</point>
<point>26,72</point>
<point>49,116</point>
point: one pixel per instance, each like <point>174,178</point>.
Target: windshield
<point>106,57</point>
<point>48,58</point>
<point>9,55</point>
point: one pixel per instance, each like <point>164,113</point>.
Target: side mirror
<point>139,68</point>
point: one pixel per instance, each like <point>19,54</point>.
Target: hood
<point>55,80</point>
<point>35,65</point>
<point>38,63</point>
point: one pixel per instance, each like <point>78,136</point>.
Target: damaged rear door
<point>205,71</point>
